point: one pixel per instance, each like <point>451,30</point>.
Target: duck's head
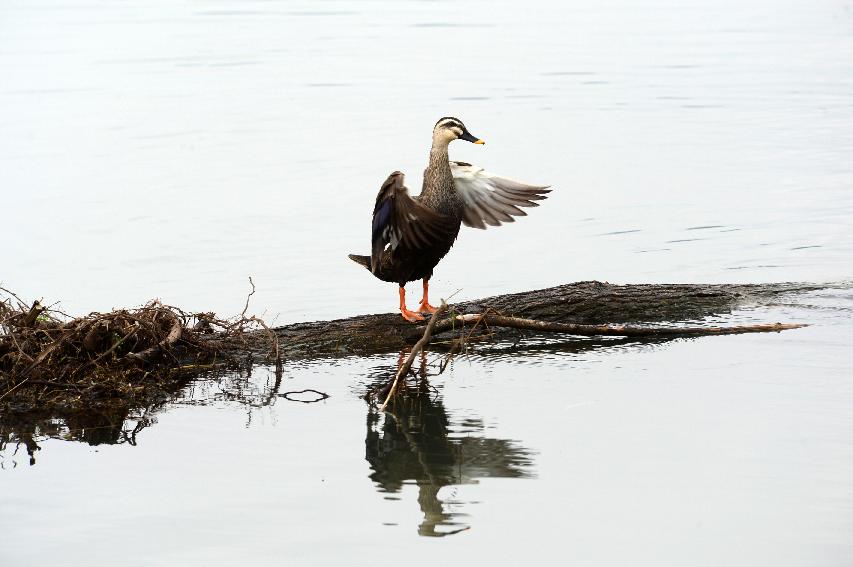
<point>448,129</point>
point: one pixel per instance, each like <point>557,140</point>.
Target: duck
<point>411,234</point>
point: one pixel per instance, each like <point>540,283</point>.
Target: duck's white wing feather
<point>490,199</point>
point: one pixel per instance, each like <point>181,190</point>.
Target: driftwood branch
<point>611,330</point>
<point>469,323</point>
<point>419,347</point>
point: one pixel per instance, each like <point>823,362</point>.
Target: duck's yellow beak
<point>481,142</point>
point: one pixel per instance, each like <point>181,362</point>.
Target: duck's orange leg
<point>425,307</point>
<point>412,316</point>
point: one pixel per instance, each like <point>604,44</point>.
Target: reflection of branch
<point>286,396</point>
<point>140,425</point>
<point>274,391</point>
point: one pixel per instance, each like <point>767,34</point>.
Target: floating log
<point>584,303</point>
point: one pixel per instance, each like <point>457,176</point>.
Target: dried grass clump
<point>51,360</point>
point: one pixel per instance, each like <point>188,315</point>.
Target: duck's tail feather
<point>362,260</point>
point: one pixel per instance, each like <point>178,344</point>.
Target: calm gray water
<point>171,150</point>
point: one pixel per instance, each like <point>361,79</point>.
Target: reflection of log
<point>582,302</point>
<point>107,425</point>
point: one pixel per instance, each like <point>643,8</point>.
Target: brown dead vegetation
<point>49,360</point>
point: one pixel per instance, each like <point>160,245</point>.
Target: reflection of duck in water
<point>415,442</point>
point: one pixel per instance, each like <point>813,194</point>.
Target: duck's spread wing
<point>398,218</point>
<point>490,199</point>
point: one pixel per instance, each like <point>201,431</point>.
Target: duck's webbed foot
<point>424,306</point>
<point>412,316</point>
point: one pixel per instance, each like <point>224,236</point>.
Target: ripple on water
<point>450,25</point>
<point>567,73</point>
<point>615,232</point>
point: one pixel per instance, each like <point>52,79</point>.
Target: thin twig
<point>251,293</point>
<point>12,293</point>
<point>458,345</point>
<point>273,339</point>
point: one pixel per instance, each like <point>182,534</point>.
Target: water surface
<point>172,150</point>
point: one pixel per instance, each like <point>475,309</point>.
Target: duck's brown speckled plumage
<point>405,263</point>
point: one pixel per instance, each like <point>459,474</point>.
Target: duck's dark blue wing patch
<point>399,219</point>
<point>382,217</point>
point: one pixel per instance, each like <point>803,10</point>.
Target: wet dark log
<point>592,303</point>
